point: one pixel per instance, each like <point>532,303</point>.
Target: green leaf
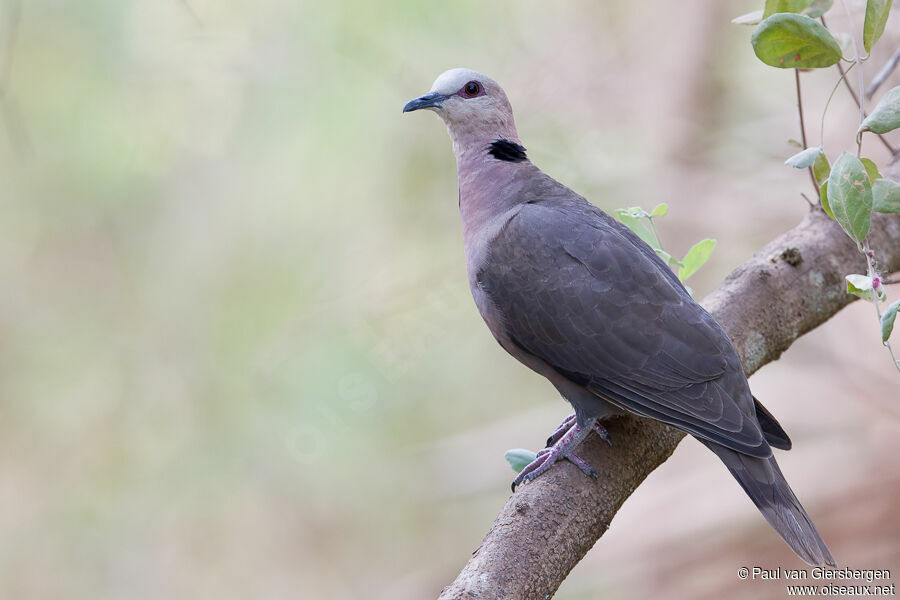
<point>871,169</point>
<point>812,157</point>
<point>780,6</point>
<point>885,117</point>
<point>887,320</point>
<point>877,12</point>
<point>817,8</point>
<point>790,41</point>
<point>804,158</point>
<point>635,211</point>
<point>861,286</point>
<point>670,260</point>
<point>812,8</point>
<point>823,197</point>
<point>821,168</point>
<point>751,18</point>
<point>850,196</point>
<point>695,257</point>
<point>519,458</point>
<point>660,210</point>
<point>637,226</point>
<point>886,196</point>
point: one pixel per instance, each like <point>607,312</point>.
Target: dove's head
<point>473,106</point>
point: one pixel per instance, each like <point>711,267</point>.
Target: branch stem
<point>859,75</point>
<point>872,272</point>
<point>656,233</point>
<point>812,175</point>
<point>883,74</point>
<point>828,103</point>
<point>853,95</point>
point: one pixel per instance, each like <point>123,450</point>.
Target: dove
<point>577,297</point>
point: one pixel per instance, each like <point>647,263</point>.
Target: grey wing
<point>585,295</point>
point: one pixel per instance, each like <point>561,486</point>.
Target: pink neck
<point>487,185</point>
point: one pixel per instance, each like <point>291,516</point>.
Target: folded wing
<point>584,294</point>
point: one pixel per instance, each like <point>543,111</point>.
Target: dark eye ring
<point>472,88</point>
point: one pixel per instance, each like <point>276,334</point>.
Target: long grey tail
<point>762,480</point>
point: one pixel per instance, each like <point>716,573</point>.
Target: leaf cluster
<point>787,35</point>
<point>641,223</point>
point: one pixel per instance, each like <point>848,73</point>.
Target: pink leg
<point>567,424</point>
<point>563,448</point>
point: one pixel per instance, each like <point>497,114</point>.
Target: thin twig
<point>847,82</point>
<point>853,95</point>
<point>867,250</point>
<point>812,175</point>
<point>883,74</point>
<point>887,344</point>
<point>890,281</point>
<point>859,75</point>
<point>828,103</point>
<point>873,273</point>
<point>653,227</point>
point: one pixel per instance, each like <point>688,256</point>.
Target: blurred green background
<point>238,356</point>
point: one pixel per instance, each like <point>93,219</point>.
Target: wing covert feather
<point>581,292</point>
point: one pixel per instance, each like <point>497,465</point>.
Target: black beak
<point>432,100</point>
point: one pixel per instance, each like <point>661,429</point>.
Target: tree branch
<point>791,286</point>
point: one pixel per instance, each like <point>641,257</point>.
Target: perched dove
<point>577,297</point>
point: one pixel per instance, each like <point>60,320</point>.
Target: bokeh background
<point>238,356</point>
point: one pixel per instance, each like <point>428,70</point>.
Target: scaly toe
<point>537,464</point>
<point>581,464</point>
<point>602,432</point>
<point>564,447</point>
<point>565,426</point>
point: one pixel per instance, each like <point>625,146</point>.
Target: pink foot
<point>567,424</point>
<point>563,447</point>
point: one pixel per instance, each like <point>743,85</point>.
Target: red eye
<point>472,89</point>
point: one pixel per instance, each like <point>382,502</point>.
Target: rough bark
<point>794,284</point>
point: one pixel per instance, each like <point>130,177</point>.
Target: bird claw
<point>602,432</point>
<point>561,444</point>
<point>561,430</point>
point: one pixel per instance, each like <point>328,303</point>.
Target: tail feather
<point>762,480</point>
<point>771,428</point>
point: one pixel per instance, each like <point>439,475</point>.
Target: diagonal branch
<point>791,286</point>
<point>883,74</point>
